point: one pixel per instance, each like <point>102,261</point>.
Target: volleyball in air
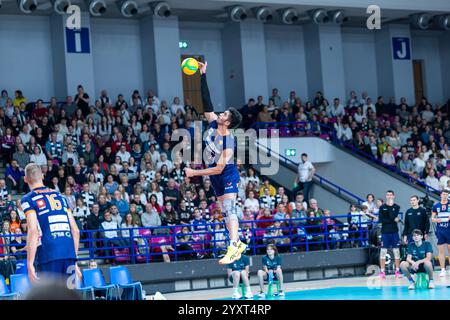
<point>189,66</point>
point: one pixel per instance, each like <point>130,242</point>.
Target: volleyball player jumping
<point>221,169</point>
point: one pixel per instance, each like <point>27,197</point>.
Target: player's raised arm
<point>206,98</point>
<point>221,163</point>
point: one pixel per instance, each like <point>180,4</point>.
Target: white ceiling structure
<point>397,11</point>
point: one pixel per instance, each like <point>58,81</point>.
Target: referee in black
<point>415,218</point>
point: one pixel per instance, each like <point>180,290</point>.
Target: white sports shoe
<point>442,273</point>
<point>431,284</point>
<point>261,295</point>
<point>249,295</point>
<point>411,286</point>
<point>237,296</point>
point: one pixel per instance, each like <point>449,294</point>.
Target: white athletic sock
<point>381,270</point>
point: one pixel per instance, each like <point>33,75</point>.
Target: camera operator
<point>416,217</point>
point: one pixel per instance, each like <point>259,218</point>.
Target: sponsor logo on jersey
<point>40,204</point>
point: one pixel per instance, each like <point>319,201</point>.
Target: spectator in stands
<point>443,180</point>
<point>370,203</point>
<point>314,208</point>
<point>199,224</point>
<point>14,177</point>
<point>265,218</point>
<point>21,156</point>
<point>274,234</point>
<point>150,217</point>
<point>266,200</point>
<point>82,100</point>
<point>337,110</point>
<point>7,146</point>
<point>18,246</point>
<point>276,99</point>
<point>111,233</point>
<point>419,164</point>
<point>314,229</point>
<point>128,223</point>
<point>251,203</point>
<point>266,184</point>
<point>432,181</point>
<point>280,213</point>
<point>19,98</point>
<point>388,156</point>
<point>298,214</point>
<point>405,165</point>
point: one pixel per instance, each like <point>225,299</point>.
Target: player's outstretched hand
<point>202,66</point>
<point>189,172</point>
<point>32,274</point>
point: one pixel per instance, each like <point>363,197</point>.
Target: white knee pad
<point>229,210</point>
<point>383,253</point>
<point>396,253</point>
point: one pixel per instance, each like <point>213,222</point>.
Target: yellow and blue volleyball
<point>189,66</point>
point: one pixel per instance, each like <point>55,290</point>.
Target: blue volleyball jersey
<point>442,212</point>
<point>240,264</point>
<point>51,209</point>
<point>215,144</point>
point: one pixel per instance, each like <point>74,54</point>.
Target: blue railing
<point>300,127</point>
<point>321,180</point>
<point>143,245</point>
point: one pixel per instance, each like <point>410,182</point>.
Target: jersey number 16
<point>55,204</point>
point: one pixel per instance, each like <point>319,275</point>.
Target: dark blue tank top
<point>215,144</point>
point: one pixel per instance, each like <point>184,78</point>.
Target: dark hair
<point>235,118</point>
<point>418,232</point>
<point>390,191</point>
<point>415,196</point>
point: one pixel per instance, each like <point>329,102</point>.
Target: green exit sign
<point>290,152</point>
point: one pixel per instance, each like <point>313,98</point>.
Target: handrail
<point>335,140</point>
<point>300,232</point>
<point>321,179</point>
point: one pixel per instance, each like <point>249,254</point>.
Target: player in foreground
<point>441,215</point>
<point>418,259</point>
<point>222,170</point>
<point>53,235</point>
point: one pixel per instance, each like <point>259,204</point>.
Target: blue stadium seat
<point>94,278</point>
<point>79,283</point>
<point>20,284</point>
<point>121,278</point>
<point>4,290</point>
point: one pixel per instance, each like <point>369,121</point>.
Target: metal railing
<point>144,245</point>
<point>300,128</point>
<point>321,180</point>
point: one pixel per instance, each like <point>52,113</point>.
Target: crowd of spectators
<point>412,138</point>
<point>113,161</point>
